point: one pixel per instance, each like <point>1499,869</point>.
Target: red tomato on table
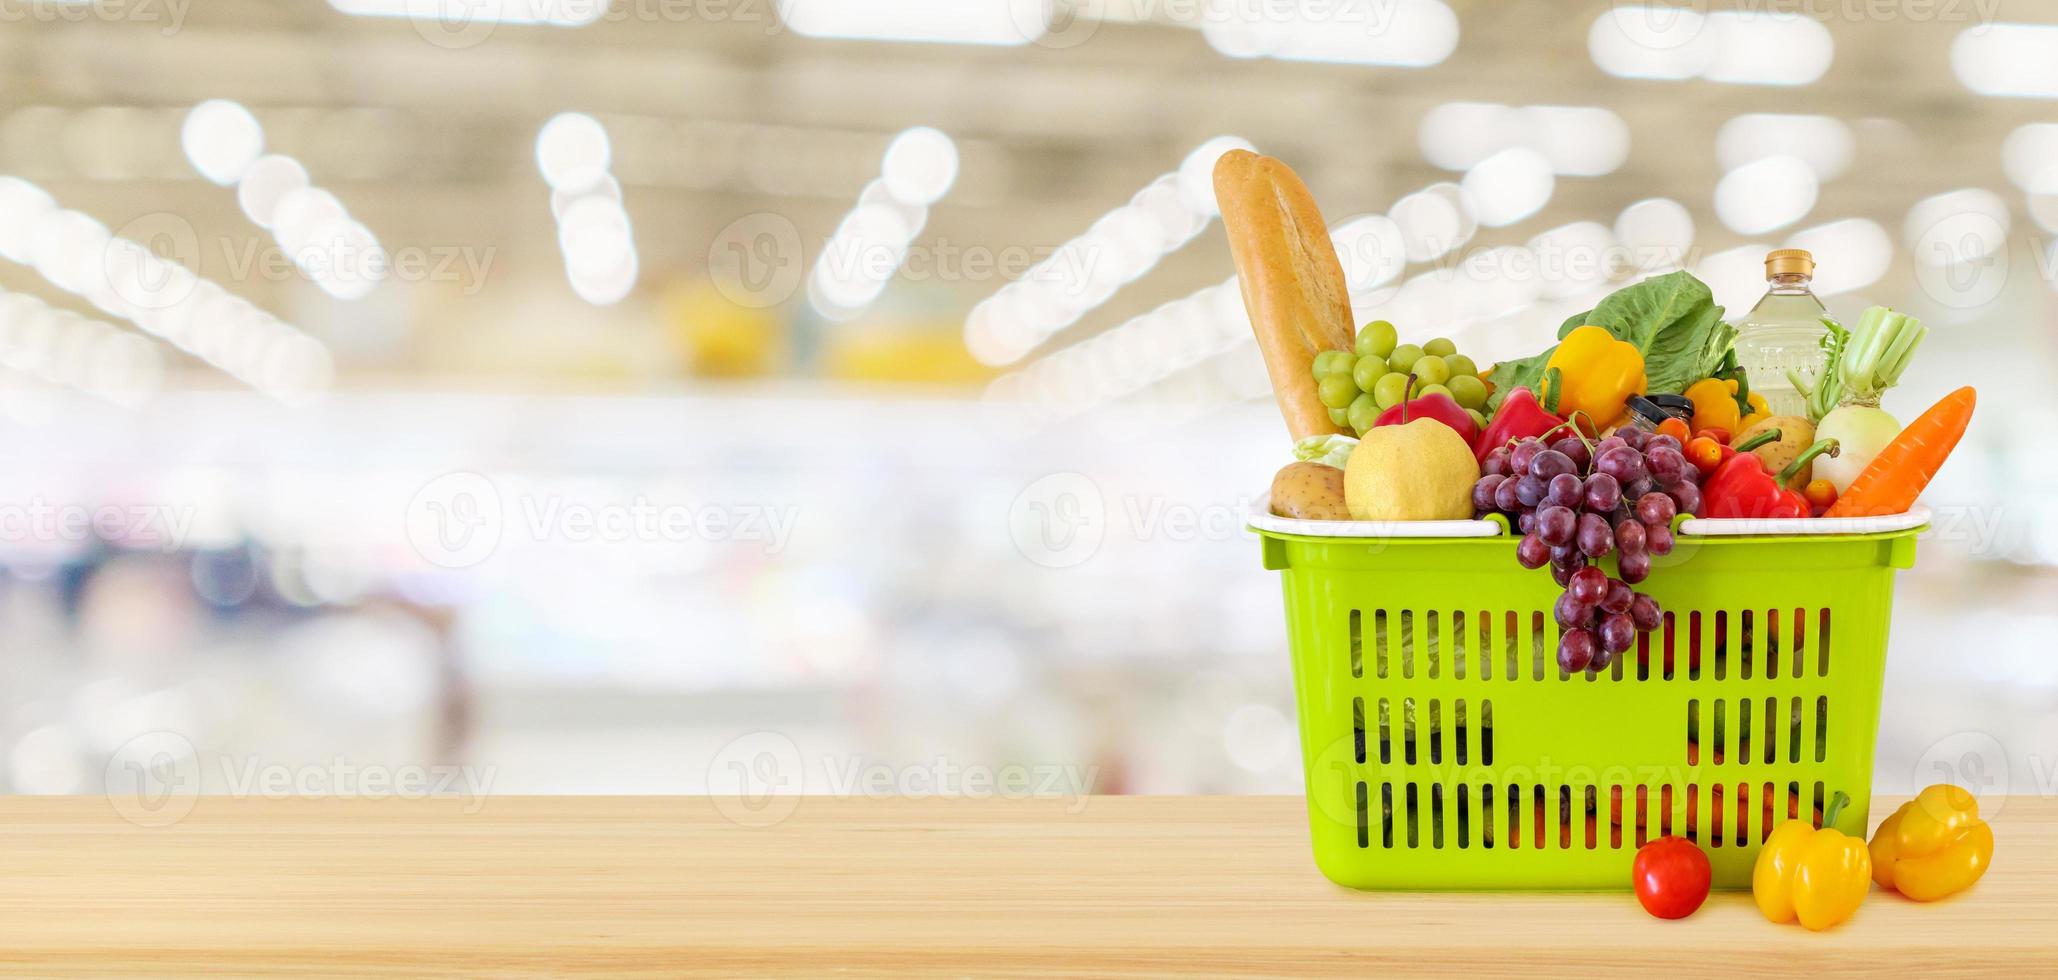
<point>1671,876</point>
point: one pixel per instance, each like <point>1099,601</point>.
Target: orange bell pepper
<point>1818,876</point>
<point>1933,846</point>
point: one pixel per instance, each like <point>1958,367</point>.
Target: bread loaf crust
<point>1293,285</point>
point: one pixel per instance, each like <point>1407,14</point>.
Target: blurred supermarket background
<point>607,393</point>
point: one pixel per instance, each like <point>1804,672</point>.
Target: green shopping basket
<point>1444,749</point>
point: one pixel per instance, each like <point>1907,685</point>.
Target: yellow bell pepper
<point>1593,373</point>
<point>1715,406</point>
<point>1933,846</point>
<point>1819,877</point>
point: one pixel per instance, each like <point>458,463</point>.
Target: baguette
<point>1293,286</point>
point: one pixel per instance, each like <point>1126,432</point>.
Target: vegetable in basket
<point>1934,846</point>
<point>1671,320</point>
<point>1816,876</point>
<point>1863,364</point>
<point>1796,434</point>
<point>1715,405</point>
<point>1892,481</point>
<point>1593,374</point>
<point>1742,488</point>
<point>1520,416</point>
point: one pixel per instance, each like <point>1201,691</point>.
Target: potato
<point>1796,434</point>
<point>1309,492</point>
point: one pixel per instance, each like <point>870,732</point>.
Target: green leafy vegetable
<point>1510,375</point>
<point>1330,450</point>
<point>1671,318</point>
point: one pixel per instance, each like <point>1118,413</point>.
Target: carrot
<point>1894,478</point>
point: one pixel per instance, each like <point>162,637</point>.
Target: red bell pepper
<point>1435,405</point>
<point>1519,417</point>
<point>1740,487</point>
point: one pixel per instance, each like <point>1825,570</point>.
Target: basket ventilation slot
<point>1720,731</point>
<point>1721,645</point>
<point>1565,817</point>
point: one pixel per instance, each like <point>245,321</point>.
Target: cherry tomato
<point>1676,428</point>
<point>1715,432</point>
<point>1671,876</point>
<point>1704,453</point>
<point>1820,494</point>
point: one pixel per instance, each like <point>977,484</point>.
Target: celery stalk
<point>1879,349</point>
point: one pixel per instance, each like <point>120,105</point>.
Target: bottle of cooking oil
<point>1784,331</point>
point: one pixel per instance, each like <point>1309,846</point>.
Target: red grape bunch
<point>1576,502</point>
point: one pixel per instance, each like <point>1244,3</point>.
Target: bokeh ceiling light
<point>1396,33</point>
<point>457,16</point>
<point>2030,156</point>
<point>1572,259</point>
<point>1509,186</point>
<point>995,22</point>
<point>594,235</point>
<point>1431,225</point>
<point>1750,47</point>
<point>1736,276</point>
<point>1085,272</point>
<point>221,139</point>
<point>1765,195</point>
<point>870,244</point>
<point>1585,141</point>
<point>571,149</point>
<point>1824,143</point>
<point>1197,173</point>
<point>921,165</point>
<point>265,183</point>
<point>78,254</point>
<point>1656,233</point>
<point>2008,59</point>
<point>1956,227</point>
<point>1850,254</point>
<point>1372,250</point>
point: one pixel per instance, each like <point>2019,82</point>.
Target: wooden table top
<point>663,886</point>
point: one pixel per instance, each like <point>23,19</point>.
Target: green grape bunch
<point>1359,384</point>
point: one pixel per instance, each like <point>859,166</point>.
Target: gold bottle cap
<point>1789,261</point>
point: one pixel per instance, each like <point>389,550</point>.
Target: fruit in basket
<point>1671,876</point>
<point>1377,339</point>
<point>1420,471</point>
<point>1435,405</point>
<point>1377,375</point>
<point>1309,491</point>
<point>1576,502</point>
